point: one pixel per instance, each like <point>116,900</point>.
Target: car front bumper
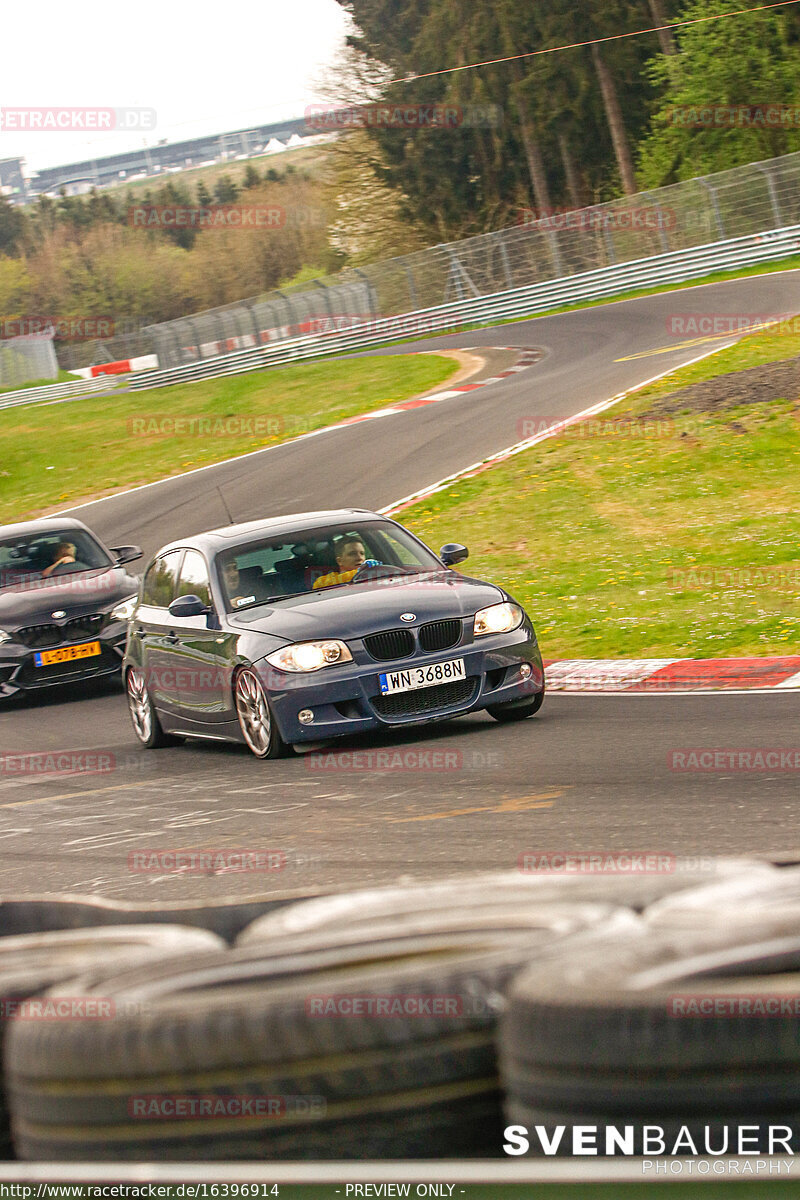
<point>19,673</point>
<point>347,699</point>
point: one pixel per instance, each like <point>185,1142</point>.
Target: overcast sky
<point>204,69</point>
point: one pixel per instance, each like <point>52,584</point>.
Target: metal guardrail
<point>675,267</point>
<point>62,391</point>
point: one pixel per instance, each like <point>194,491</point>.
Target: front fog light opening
<point>305,716</point>
<point>525,671</point>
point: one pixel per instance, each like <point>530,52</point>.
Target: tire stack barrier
<point>414,1022</point>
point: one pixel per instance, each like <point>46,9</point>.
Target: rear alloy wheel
<point>255,717</point>
<point>146,724</point>
<point>516,710</point>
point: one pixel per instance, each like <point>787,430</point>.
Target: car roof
<point>220,539</point>
<point>42,525</point>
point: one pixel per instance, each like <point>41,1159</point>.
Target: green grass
<point>587,529</point>
<point>56,454</point>
<point>62,377</point>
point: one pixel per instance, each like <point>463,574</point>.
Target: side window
<point>159,582</point>
<point>194,577</point>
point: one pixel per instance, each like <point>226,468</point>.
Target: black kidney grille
<point>39,637</point>
<point>395,643</point>
<point>425,700</point>
<point>440,635</point>
<point>85,627</point>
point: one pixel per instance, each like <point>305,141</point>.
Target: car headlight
<point>309,656</point>
<point>124,610</point>
<point>4,637</point>
<point>498,618</point>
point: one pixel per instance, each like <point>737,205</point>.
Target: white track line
<point>558,427</point>
<point>390,411</point>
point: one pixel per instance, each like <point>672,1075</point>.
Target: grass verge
<point>630,537</point>
<point>54,454</point>
<point>62,377</point>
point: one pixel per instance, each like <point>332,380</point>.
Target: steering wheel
<point>68,568</point>
<point>368,565</point>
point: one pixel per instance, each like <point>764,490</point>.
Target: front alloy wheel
<point>146,724</point>
<point>255,718</point>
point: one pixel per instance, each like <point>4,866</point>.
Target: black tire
<point>48,914</point>
<point>484,893</point>
<point>751,897</point>
<point>258,726</point>
<point>144,717</point>
<point>32,963</point>
<point>619,1029</point>
<point>251,1023</point>
<point>517,710</point>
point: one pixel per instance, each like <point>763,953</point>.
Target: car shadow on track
<point>67,693</point>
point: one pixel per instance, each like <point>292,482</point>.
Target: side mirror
<point>126,554</point>
<point>453,553</point>
<point>188,606</point>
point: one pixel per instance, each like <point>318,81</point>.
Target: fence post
<point>712,191</point>
<point>773,194</point>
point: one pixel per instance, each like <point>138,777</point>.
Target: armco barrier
<point>52,393</point>
<point>676,267</point>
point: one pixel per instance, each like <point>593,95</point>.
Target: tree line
<point>581,125</point>
<point>86,256</point>
<point>605,116</point>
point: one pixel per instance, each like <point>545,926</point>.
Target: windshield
<point>38,558</point>
<point>319,559</point>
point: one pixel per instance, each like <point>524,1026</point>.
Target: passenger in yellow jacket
<point>350,557</point>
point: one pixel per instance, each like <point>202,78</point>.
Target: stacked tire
<point>418,1022</point>
<point>691,1025</point>
<point>370,1041</point>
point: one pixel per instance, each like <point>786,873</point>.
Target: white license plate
<point>412,678</point>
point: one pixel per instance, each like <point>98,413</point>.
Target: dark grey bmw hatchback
<point>319,625</point>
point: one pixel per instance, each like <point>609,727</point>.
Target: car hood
<point>34,603</point>
<point>354,610</point>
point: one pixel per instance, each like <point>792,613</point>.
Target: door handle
<point>172,639</point>
<point>139,632</point>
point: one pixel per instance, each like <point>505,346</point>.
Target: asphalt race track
<point>589,773</point>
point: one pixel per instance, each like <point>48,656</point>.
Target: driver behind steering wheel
<point>350,558</point>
